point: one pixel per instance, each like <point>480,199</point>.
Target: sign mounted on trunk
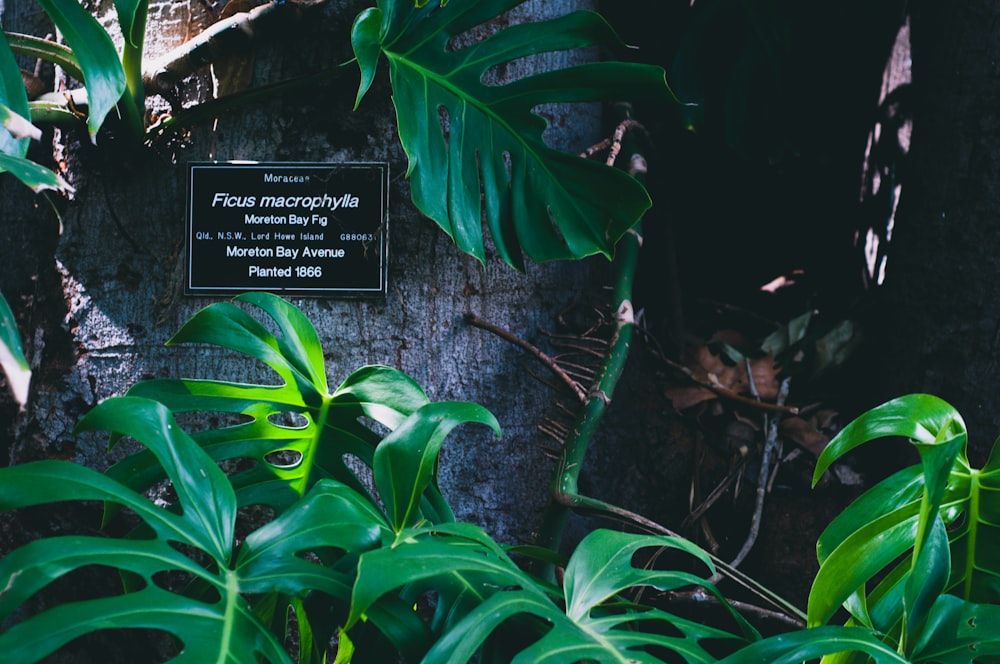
<point>311,229</point>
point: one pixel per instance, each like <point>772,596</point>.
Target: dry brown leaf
<point>804,434</point>
<point>683,398</point>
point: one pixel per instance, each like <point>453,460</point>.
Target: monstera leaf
<point>295,433</point>
<point>923,532</point>
<point>476,150</point>
<point>585,622</point>
<point>213,622</point>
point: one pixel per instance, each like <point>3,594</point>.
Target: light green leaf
<point>923,532</point>
<point>298,432</point>
<point>95,52</point>
<point>476,150</point>
<point>858,558</point>
<point>917,416</point>
<point>12,359</point>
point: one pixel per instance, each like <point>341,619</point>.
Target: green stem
<point>565,494</point>
<point>565,486</point>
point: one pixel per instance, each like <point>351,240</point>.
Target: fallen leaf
<point>804,434</point>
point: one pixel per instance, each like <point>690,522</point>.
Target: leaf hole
<point>284,458</point>
<point>362,472</point>
<point>149,646</point>
<point>445,121</point>
<point>288,420</point>
<point>185,583</point>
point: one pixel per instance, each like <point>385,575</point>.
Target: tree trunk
<point>940,323</point>
<point>97,302</point>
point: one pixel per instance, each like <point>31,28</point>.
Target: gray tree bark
<point>941,322</point>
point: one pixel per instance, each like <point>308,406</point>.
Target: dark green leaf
<point>809,644</point>
<point>225,629</point>
<point>476,150</point>
<point>203,492</point>
<point>959,632</point>
<point>365,39</point>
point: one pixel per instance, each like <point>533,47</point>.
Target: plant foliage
<point>482,141</point>
<point>476,149</point>
<point>345,556</point>
<point>915,558</point>
<point>368,552</point>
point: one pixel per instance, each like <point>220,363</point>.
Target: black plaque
<point>293,228</point>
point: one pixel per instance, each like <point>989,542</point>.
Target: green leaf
<point>95,52</point>
<point>476,150</point>
<point>46,49</point>
<point>12,359</point>
<point>211,630</point>
<point>809,644</point>
<point>920,533</point>
<point>289,456</point>
<point>405,462</point>
<point>496,592</point>
<point>13,97</point>
<point>132,18</point>
<point>272,558</point>
<point>365,40</point>
<point>916,416</point>
<point>203,492</point>
<point>17,125</point>
<point>36,177</point>
<point>601,567</point>
<point>959,632</point>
